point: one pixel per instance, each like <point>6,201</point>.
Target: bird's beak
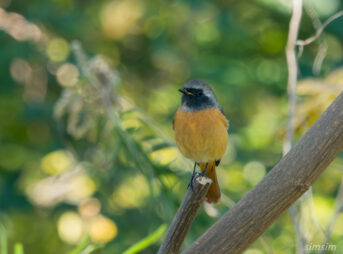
<point>185,91</point>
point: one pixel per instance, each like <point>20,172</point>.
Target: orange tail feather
<point>213,194</point>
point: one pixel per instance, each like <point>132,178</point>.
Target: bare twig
<point>321,54</point>
<point>282,186</point>
<point>292,71</point>
<point>323,46</point>
<point>291,88</point>
<point>320,30</point>
<point>185,216</point>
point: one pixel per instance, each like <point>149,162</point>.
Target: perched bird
<point>201,131</point>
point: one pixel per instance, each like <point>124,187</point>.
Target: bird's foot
<point>203,173</point>
<point>190,184</point>
<point>198,175</point>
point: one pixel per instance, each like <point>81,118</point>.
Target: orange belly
<point>201,136</point>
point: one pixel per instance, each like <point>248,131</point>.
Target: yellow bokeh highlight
<point>132,192</point>
<point>57,49</point>
<point>132,122</point>
<point>338,226</point>
<point>235,180</point>
<point>67,74</point>
<point>260,132</point>
<point>254,172</point>
<point>57,162</point>
<point>253,251</point>
<point>70,227</point>
<point>81,187</point>
<point>165,156</point>
<point>323,209</point>
<point>89,207</point>
<point>101,229</point>
<point>119,18</point>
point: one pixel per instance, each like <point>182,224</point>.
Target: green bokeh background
<point>88,90</point>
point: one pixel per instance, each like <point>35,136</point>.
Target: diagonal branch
<point>185,216</point>
<point>282,186</point>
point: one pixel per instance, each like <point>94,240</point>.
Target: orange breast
<point>201,136</point>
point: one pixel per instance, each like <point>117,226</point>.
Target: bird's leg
<point>202,173</point>
<point>193,175</point>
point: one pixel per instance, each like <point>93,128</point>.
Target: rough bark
<point>282,186</point>
<point>185,216</point>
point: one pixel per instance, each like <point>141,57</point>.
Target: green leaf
<point>3,240</point>
<point>147,241</point>
<point>91,248</point>
<point>82,245</point>
<point>18,248</point>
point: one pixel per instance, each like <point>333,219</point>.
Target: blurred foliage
<point>88,90</point>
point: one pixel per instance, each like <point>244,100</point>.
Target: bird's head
<point>197,95</point>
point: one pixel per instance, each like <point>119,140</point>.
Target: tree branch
<point>292,67</point>
<point>319,30</point>
<point>282,186</point>
<point>185,216</point>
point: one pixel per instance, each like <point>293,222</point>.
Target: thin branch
<point>292,71</point>
<point>323,46</point>
<point>319,30</point>
<point>184,217</point>
<point>281,187</point>
<point>292,66</point>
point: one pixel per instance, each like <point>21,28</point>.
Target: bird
<point>201,132</point>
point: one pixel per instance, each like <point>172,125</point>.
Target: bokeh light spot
<point>253,251</point>
<point>20,70</point>
<point>206,32</point>
<point>254,171</point>
<point>57,162</point>
<point>82,187</point>
<point>272,41</point>
<point>323,207</point>
<point>70,227</point>
<point>235,178</point>
<point>132,192</point>
<point>67,74</point>
<point>57,49</point>
<point>102,229</point>
<point>324,7</point>
<point>268,71</point>
<point>119,18</point>
<point>338,227</point>
<point>165,156</point>
<point>89,207</point>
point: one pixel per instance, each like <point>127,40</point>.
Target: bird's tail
<point>213,194</point>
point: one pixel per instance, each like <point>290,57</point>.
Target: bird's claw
<point>194,175</point>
